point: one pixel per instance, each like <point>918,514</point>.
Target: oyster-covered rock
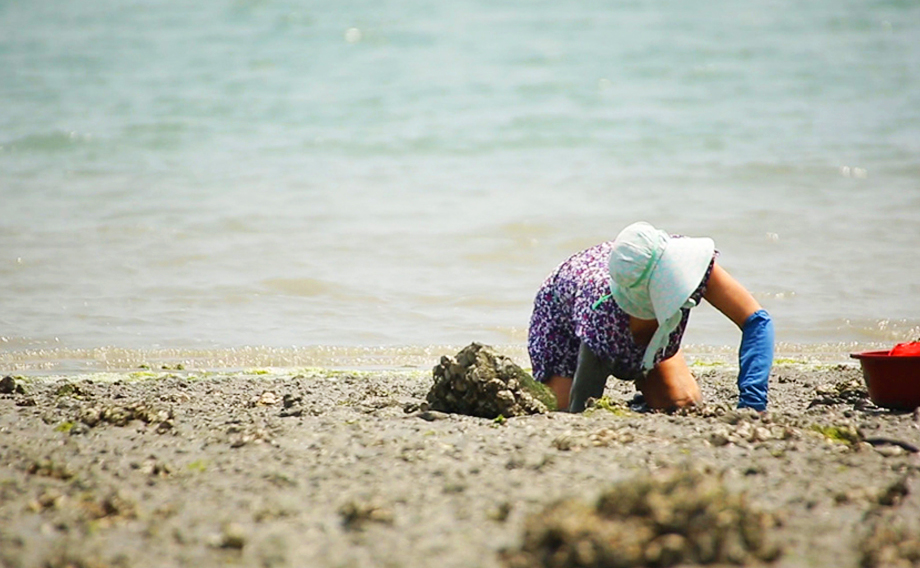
<point>478,381</point>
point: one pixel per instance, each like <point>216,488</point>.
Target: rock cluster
<point>746,427</point>
<point>890,541</point>
<point>8,385</point>
<point>603,438</point>
<point>480,382</point>
<point>121,415</point>
<point>91,415</point>
<point>357,513</point>
<point>682,517</point>
<point>845,392</point>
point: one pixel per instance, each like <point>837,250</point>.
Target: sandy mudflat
<point>329,469</point>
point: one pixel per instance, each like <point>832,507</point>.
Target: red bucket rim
<point>882,355</point>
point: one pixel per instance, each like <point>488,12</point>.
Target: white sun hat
<point>652,276</point>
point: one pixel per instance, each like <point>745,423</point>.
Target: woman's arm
<point>755,356</point>
<point>730,297</point>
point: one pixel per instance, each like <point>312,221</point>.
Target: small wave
<point>882,330</point>
<point>48,142</point>
<point>299,286</point>
<point>156,135</point>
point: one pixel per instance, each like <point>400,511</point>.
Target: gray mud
<point>328,469</point>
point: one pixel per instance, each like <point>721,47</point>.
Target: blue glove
<point>755,357</point>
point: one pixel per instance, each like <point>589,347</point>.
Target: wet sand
<point>332,469</point>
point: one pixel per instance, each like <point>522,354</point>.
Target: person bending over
<point>621,307</point>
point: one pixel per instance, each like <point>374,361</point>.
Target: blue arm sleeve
<point>755,358</point>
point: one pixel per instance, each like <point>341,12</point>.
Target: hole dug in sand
<point>682,517</point>
<point>480,382</point>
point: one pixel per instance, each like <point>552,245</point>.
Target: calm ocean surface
<point>306,178</point>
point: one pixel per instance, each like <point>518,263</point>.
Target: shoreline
<point>282,467</point>
<point>77,361</point>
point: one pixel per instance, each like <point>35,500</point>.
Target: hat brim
<point>678,273</point>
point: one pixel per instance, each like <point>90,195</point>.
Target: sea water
<point>249,176</point>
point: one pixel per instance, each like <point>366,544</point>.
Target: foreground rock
<point>891,541</point>
<point>684,517</point>
<point>481,382</point>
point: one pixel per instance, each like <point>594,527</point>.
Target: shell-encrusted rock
<point>480,382</point>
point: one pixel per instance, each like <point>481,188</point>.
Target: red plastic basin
<point>893,381</point>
